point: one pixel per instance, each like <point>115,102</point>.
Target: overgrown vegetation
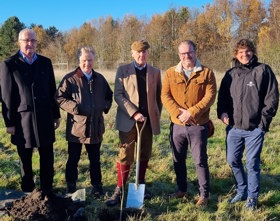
<point>160,177</point>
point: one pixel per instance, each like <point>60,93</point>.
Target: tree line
<point>214,28</point>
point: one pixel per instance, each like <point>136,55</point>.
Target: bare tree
<point>129,30</point>
<point>249,16</point>
<point>105,43</point>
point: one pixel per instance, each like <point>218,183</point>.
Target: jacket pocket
<point>79,126</point>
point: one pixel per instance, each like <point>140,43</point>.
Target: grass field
<point>160,175</point>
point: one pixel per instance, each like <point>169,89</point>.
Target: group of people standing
<point>247,101</point>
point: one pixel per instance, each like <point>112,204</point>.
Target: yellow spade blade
<point>135,196</point>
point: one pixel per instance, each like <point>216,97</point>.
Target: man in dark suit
<point>137,94</point>
<point>29,109</point>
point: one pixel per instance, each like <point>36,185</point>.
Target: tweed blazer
<point>127,97</point>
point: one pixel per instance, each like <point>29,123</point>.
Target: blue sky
<point>67,14</point>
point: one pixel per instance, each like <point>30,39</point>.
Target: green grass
<point>160,177</point>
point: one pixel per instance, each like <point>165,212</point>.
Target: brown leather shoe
<point>178,194</point>
<point>115,198</point>
<point>202,201</point>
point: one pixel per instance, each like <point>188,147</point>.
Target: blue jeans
<point>237,141</point>
<point>196,137</point>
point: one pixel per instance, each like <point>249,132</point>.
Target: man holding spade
<point>137,94</point>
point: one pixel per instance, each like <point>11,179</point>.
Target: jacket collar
<point>80,74</point>
<point>132,66</point>
<point>252,63</point>
<point>138,67</point>
<point>197,67</point>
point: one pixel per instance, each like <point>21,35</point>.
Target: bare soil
<point>40,206</point>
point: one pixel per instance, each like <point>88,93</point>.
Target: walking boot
<point>115,198</point>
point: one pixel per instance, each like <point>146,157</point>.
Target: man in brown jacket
<point>85,95</point>
<point>188,91</point>
<point>137,94</point>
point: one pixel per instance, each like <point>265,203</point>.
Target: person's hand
<point>11,130</point>
<point>185,117</point>
<point>224,118</point>
<point>56,123</point>
<point>139,117</point>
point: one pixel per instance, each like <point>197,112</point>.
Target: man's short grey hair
<point>27,30</point>
<point>86,49</point>
<point>188,42</point>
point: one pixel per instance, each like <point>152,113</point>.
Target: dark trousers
<point>46,167</point>
<point>74,153</point>
<point>196,138</point>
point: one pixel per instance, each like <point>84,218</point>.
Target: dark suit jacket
<point>28,100</point>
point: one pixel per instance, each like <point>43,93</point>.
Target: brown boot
<point>178,194</point>
<point>202,201</point>
<point>115,198</point>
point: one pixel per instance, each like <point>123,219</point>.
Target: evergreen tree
<point>9,37</point>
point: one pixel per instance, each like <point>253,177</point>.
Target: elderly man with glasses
<point>29,109</point>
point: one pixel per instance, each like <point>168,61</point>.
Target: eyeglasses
<point>33,41</point>
<point>186,53</point>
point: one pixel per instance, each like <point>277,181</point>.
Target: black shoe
<point>27,188</point>
<point>97,190</point>
<point>48,192</point>
<point>115,198</point>
<point>147,195</point>
<point>71,188</point>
